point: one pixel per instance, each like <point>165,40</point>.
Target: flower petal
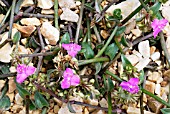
<point>133,81</point>
<point>30,70</point>
<point>134,89</point>
<point>65,84</point>
<point>66,46</point>
<point>155,23</point>
<point>68,73</point>
<point>125,85</point>
<point>21,68</point>
<point>75,80</point>
<point>21,78</point>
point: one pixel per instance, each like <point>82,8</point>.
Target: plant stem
<point>4,91</point>
<point>114,76</point>
<point>88,31</point>
<point>37,15</point>
<point>79,21</point>
<point>109,102</point>
<point>7,75</point>
<point>102,59</point>
<point>144,5</point>
<point>4,19</point>
<point>155,97</point>
<point>11,19</point>
<point>5,42</point>
<point>27,102</point>
<point>133,13</point>
<point>56,13</point>
<point>107,43</point>
<point>97,34</point>
<point>118,45</point>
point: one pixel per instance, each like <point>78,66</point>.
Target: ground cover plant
<point>84,57</point>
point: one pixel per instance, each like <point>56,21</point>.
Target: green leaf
<point>87,50</point>
<point>65,38</point>
<point>5,103</point>
<point>40,101</point>
<point>117,14</point>
<point>22,92</point>
<point>110,84</point>
<point>124,42</point>
<point>18,5</point>
<point>126,63</point>
<point>155,8</point>
<point>120,30</point>
<point>109,103</point>
<point>111,50</point>
<point>70,108</point>
<point>32,43</point>
<point>142,76</point>
<point>32,105</point>
<point>16,37</point>
<point>163,1</point>
<point>98,67</point>
<point>5,69</point>
<point>165,110</point>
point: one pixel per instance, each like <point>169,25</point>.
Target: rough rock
<point>142,63</point>
<point>47,11</point>
<point>132,110</point>
<point>144,48</point>
<point>154,105</point>
<point>18,99</point>
<point>69,15</point>
<point>103,103</point>
<point>30,21</point>
<point>136,32</point>
<point>50,33</point>
<point>67,3</point>
<point>158,89</point>
<point>99,112</point>
<point>1,17</point>
<point>26,31</point>
<point>150,86</point>
<point>11,96</point>
<point>45,4</point>
<point>5,53</point>
<point>104,34</point>
<point>130,26</point>
<point>64,109</point>
<point>152,49</point>
<point>154,76</point>
<point>132,58</point>
<point>165,12</point>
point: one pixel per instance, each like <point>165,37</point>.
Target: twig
<point>27,102</point>
<point>7,75</point>
<point>79,22</point>
<point>37,15</point>
<point>4,19</point>
<point>72,102</point>
<point>30,58</point>
<point>56,13</point>
<point>5,42</point>
<point>107,43</point>
<point>6,3</point>
<point>40,37</point>
<point>37,54</point>
<point>11,19</point>
<point>39,65</point>
<point>88,31</point>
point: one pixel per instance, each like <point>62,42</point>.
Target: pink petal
<point>68,72</point>
<point>72,53</point>
<point>156,31</point>
<point>75,80</point>
<point>66,46</point>
<point>134,89</point>
<point>125,85</point>
<point>134,81</point>
<point>21,68</point>
<point>65,84</point>
<point>77,47</point>
<point>30,70</point>
<point>21,78</point>
<point>155,23</point>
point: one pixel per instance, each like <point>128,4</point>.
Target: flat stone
<point>158,89</point>
<point>56,109</point>
<point>26,31</point>
<point>47,11</point>
<point>99,112</point>
<point>130,26</point>
<point>132,58</point>
<point>155,56</point>
<point>18,99</point>
<point>142,63</point>
<point>69,15</point>
<point>154,105</point>
<point>165,12</point>
<point>132,110</point>
<point>5,53</point>
<point>2,83</point>
<point>30,21</point>
<point>50,33</point>
<point>152,49</point>
<point>45,4</point>
<point>27,3</point>
<point>104,34</point>
<point>160,79</point>
<point>92,102</point>
<point>150,86</point>
<point>11,85</point>
<point>67,3</point>
<point>154,76</point>
<point>103,103</point>
<point>167,73</point>
<point>11,96</point>
<point>136,32</point>
<point>144,48</point>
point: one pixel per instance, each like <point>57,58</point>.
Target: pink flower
<point>158,25</point>
<point>69,79</point>
<point>23,72</point>
<point>72,48</point>
<point>131,86</point>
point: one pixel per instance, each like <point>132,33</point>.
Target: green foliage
<point>126,63</point>
<point>22,92</point>
<point>124,42</point>
<point>165,111</point>
<point>32,105</point>
<point>111,50</point>
<point>87,50</point>
<point>32,43</point>
<point>65,38</point>
<point>16,37</point>
<point>5,103</point>
<point>110,85</point>
<point>117,14</point>
<point>163,1</point>
<point>155,8</point>
<point>4,69</point>
<point>40,101</point>
<point>120,30</point>
<point>98,67</point>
